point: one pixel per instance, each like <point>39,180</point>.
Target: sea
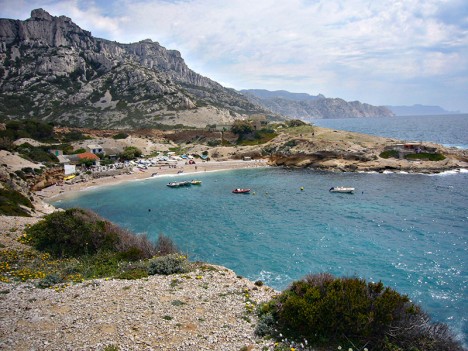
<point>409,231</point>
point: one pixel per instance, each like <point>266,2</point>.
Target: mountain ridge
<point>305,106</point>
<point>53,70</point>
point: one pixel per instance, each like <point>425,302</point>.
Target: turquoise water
<point>408,230</point>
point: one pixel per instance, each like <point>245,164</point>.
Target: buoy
<point>302,188</point>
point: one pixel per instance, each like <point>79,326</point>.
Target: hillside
<point>51,69</point>
<point>305,106</point>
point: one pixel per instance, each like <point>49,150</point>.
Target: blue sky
<point>400,52</point>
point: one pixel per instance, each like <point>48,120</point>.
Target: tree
<point>130,153</point>
<point>241,127</point>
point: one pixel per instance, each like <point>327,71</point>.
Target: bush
<point>120,136</point>
<point>325,309</point>
<point>50,280</point>
<point>389,154</point>
<point>130,153</point>
<point>36,153</point>
<point>296,123</point>
<point>170,264</point>
<point>426,156</point>
<point>76,232</point>
<point>12,203</point>
<point>165,246</point>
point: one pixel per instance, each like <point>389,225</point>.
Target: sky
<point>382,52</point>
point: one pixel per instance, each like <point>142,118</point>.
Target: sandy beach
<point>56,192</point>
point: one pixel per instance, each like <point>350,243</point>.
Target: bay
<point>407,230</point>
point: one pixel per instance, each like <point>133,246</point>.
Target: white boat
<point>341,189</point>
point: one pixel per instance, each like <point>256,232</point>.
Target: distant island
<point>419,110</point>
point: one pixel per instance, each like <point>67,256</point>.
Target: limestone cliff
<point>305,106</point>
<point>53,70</point>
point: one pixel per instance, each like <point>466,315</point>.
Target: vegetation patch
<point>36,153</point>
<point>120,136</point>
<point>327,311</point>
<point>109,252</point>
<point>170,264</point>
<point>389,154</point>
<point>77,232</point>
<point>426,156</point>
<point>36,130</point>
<point>12,203</point>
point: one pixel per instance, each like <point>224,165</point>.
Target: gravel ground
<point>207,309</point>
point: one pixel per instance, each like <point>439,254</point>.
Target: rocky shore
<point>342,151</point>
<point>209,308</point>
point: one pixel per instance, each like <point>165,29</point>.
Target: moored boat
<point>341,189</point>
<point>196,182</point>
<point>241,191</point>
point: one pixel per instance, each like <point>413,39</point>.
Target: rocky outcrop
<point>304,106</point>
<point>52,69</point>
<point>341,151</point>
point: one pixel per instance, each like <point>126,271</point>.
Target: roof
<point>88,156</point>
<point>94,146</point>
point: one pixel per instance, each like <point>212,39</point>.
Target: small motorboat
<point>173,184</point>
<point>341,189</point>
<point>196,182</point>
<point>241,191</point>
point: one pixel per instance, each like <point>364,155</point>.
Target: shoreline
<point>57,192</point>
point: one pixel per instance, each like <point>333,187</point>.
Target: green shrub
<point>133,271</point>
<point>76,232</point>
<point>426,156</point>
<point>214,142</point>
<point>120,136</point>
<point>50,280</point>
<point>37,130</point>
<point>324,309</point>
<point>130,153</point>
<point>389,154</point>
<point>295,123</point>
<point>169,264</point>
<point>11,202</point>
<point>36,153</point>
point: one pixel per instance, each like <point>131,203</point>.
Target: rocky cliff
<point>305,106</point>
<point>51,69</point>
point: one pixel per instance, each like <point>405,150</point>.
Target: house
<point>220,127</point>
<point>259,121</point>
<point>79,158</point>
<point>95,149</point>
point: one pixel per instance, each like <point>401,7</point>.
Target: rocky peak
<point>40,14</point>
<point>52,69</point>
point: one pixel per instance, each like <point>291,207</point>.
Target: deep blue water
<point>448,130</point>
<point>408,230</point>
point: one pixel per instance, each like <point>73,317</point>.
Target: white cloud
<point>331,46</point>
